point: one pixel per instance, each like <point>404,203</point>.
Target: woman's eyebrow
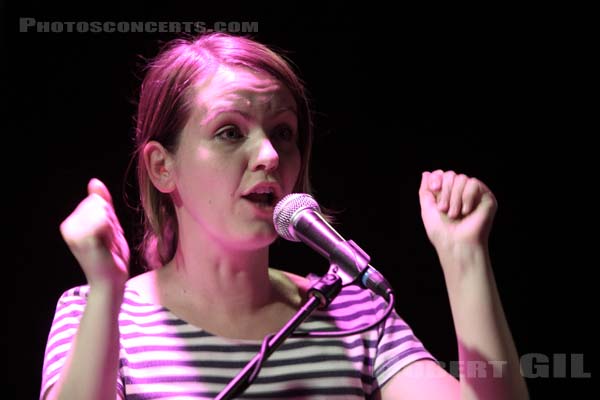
<point>212,114</point>
<point>284,109</point>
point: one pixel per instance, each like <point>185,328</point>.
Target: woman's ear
<point>160,166</point>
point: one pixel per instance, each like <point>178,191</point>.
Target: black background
<point>502,95</point>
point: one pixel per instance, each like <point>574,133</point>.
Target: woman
<point>223,133</point>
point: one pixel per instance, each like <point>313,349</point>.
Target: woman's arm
<point>90,370</point>
<point>95,237</point>
<point>457,213</point>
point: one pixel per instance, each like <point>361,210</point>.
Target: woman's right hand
<point>95,237</point>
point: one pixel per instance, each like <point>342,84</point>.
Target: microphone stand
<point>321,294</point>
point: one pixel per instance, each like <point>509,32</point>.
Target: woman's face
<point>237,156</point>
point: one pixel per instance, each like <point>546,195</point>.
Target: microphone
<point>297,217</point>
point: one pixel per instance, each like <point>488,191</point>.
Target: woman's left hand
<point>457,211</point>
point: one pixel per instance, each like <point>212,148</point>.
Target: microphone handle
<point>310,227</point>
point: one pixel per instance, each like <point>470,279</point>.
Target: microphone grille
<point>285,210</point>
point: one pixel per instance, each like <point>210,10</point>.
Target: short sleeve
<point>397,347</point>
<point>65,323</point>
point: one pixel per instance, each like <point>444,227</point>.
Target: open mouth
<point>261,199</point>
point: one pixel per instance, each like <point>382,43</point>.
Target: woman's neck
<point>238,280</point>
<point>231,302</point>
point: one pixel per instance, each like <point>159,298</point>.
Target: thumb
<point>96,186</point>
<point>426,197</point>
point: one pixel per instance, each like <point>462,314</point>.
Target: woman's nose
<point>266,156</point>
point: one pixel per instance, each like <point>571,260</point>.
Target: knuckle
<point>449,173</point>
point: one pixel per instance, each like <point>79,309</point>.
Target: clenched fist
<point>95,237</point>
<point>457,210</point>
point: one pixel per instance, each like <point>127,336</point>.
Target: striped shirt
<point>165,357</point>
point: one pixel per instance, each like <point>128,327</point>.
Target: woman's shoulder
<point>291,286</point>
<point>140,288</point>
<point>289,279</point>
<point>74,295</point>
<point>79,294</point>
<point>144,286</point>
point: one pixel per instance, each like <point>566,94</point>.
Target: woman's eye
<point>284,132</point>
<point>230,134</point>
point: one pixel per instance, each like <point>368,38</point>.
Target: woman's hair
<point>165,105</point>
